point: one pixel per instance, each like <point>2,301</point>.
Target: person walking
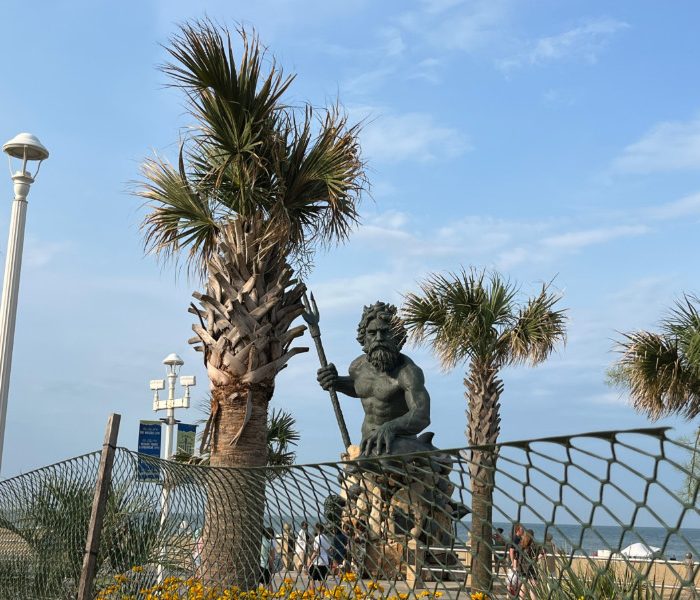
<point>267,556</point>
<point>340,544</point>
<point>527,565</point>
<point>320,558</point>
<point>301,547</point>
<point>513,578</point>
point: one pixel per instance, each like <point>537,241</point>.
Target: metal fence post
<point>99,503</point>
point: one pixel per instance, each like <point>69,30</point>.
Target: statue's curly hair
<point>385,312</point>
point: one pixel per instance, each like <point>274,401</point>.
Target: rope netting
<point>602,516</point>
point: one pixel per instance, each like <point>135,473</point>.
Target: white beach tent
<point>639,550</point>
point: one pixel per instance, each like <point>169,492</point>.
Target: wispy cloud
<point>668,146</point>
<point>39,253</point>
<point>412,136</point>
<point>428,69</point>
<point>457,25</point>
<point>575,240</point>
<point>584,42</point>
<point>687,206</point>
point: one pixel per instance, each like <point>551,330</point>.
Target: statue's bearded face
<point>381,345</point>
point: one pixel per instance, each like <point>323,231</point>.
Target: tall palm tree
<point>661,372</point>
<point>475,318</point>
<point>258,186</point>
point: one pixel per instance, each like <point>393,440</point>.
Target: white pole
<point>10,291</point>
<point>165,494</point>
<point>170,414</point>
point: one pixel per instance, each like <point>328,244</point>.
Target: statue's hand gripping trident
<point>312,318</point>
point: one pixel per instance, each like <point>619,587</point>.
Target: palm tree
<point>474,318</point>
<point>661,372</point>
<point>258,187</point>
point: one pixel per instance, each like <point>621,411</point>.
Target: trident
<point>312,318</point>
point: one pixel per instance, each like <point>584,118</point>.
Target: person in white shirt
<point>320,558</point>
<point>301,547</point>
<point>267,556</point>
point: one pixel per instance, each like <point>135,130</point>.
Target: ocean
<point>674,546</point>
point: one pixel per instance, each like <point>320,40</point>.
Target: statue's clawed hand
<point>378,441</point>
<point>327,377</point>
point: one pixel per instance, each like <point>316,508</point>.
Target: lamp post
<point>28,150</point>
<point>173,363</point>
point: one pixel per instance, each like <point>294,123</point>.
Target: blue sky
<point>549,140</point>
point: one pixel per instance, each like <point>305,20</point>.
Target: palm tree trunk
<point>245,332</point>
<point>483,425</point>
<point>236,495</point>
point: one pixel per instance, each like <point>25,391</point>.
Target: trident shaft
<point>312,318</point>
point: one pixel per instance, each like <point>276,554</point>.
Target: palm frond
<point>683,324</point>
<point>659,379</point>
<point>537,328</point>
<point>321,179</point>
<point>281,435</point>
<point>464,315</point>
<point>180,218</point>
<point>238,108</point>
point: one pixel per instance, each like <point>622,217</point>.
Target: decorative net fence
<point>604,515</point>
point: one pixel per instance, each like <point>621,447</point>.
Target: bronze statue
<point>389,384</point>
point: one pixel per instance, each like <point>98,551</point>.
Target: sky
<point>552,141</point>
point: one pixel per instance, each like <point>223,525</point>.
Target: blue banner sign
<point>149,444</point>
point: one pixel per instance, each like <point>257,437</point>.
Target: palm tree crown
<point>472,316</point>
<point>662,370</point>
<point>250,157</point>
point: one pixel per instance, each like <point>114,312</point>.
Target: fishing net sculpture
<point>595,504</point>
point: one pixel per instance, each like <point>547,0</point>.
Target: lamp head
<point>173,362</point>
<point>26,148</point>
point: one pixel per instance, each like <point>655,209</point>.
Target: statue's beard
<point>383,358</point>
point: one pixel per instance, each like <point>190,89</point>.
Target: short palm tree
<point>661,372</point>
<point>258,186</point>
<point>476,318</point>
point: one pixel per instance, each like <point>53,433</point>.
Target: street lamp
<point>173,363</point>
<point>27,151</point>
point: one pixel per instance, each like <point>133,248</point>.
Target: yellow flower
<point>137,569</point>
<point>438,594</point>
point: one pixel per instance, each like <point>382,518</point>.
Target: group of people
<point>520,558</point>
<point>320,554</point>
<point>323,553</point>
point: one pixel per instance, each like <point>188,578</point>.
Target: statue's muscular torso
<point>383,397</point>
<point>396,399</point>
